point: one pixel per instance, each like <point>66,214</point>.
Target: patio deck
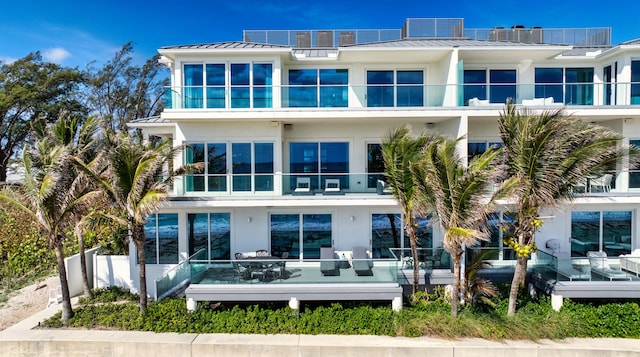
<point>293,281</point>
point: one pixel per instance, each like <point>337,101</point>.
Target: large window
<point>375,165</point>
<point>210,232</point>
<point>634,172</point>
<point>501,226</point>
<point>251,167</point>
<point>635,82</point>
<point>572,86</point>
<point>161,239</point>
<point>320,161</point>
<point>608,231</point>
<point>502,85</point>
<point>300,235</point>
<point>387,232</point>
<point>228,85</point>
<point>387,88</point>
<point>476,148</point>
<point>318,87</point>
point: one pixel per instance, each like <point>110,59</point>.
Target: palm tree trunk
<point>411,231</point>
<point>518,280</point>
<point>67,311</point>
<point>137,234</point>
<point>83,262</point>
<point>455,289</point>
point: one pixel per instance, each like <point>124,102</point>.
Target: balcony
<point>401,96</point>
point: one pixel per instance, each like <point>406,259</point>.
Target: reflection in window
<point>475,84</point>
<point>609,231</point>
<point>286,235</point>
<point>375,165</point>
<point>161,239</point>
<point>579,86</point>
<point>477,148</point>
<point>634,172</point>
<point>635,82</point>
<point>245,157</point>
<point>386,88</point>
<point>502,85</point>
<point>313,87</point>
<point>386,232</point>
<point>549,83</point>
<point>320,161</point>
<point>210,232</point>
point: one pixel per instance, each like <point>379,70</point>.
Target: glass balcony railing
<point>286,184</point>
<point>593,268</point>
<point>178,275</point>
<point>381,96</point>
<point>269,270</point>
<point>428,258</point>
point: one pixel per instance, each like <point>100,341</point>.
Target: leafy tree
<point>120,92</point>
<point>400,150</point>
<point>547,154</point>
<point>456,196</point>
<point>32,92</point>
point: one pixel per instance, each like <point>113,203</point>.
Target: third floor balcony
<point>398,96</point>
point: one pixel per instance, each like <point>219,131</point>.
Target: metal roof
<point>315,52</point>
<point>632,42</point>
<point>583,51</point>
<point>449,43</point>
<point>150,120</point>
<point>222,45</point>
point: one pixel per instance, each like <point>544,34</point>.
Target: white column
<point>192,305</point>
<point>556,302</point>
<point>396,303</point>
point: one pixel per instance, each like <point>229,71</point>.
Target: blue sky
<point>75,33</point>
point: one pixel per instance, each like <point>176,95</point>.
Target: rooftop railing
<point>430,28</point>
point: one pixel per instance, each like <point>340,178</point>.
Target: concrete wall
<point>112,270</point>
<point>117,343</point>
<point>74,271</point>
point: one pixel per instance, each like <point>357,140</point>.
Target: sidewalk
<point>22,340</point>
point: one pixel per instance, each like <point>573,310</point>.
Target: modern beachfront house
<point>292,204</point>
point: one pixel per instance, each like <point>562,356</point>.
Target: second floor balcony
<point>399,96</point>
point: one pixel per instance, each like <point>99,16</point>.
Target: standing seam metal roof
<point>222,45</point>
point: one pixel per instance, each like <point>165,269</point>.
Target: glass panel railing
<point>428,258</point>
<point>270,270</point>
<point>177,276</point>
<point>382,96</point>
<point>595,267</point>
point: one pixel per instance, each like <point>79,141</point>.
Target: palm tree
<point>548,153</point>
<point>52,196</point>
<point>458,197</point>
<point>82,144</point>
<point>400,150</point>
<point>134,182</point>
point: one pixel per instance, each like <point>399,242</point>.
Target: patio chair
<point>303,186</point>
<point>631,262</point>
<point>361,263</point>
<point>382,188</point>
<point>242,270</point>
<point>602,183</point>
<point>600,266</point>
<point>328,265</point>
<point>332,187</point>
<point>55,295</point>
<point>262,253</point>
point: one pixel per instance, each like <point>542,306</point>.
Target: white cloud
<point>56,54</point>
<point>7,59</point>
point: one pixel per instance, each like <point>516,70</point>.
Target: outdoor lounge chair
<point>361,262</point>
<point>332,187</point>
<point>303,186</point>
<point>328,266</point>
<point>564,267</point>
<point>382,188</point>
<point>600,266</point>
<point>631,262</point>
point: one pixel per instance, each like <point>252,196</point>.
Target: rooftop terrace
<point>430,28</point>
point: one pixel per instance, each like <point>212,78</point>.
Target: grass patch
<point>429,316</point>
